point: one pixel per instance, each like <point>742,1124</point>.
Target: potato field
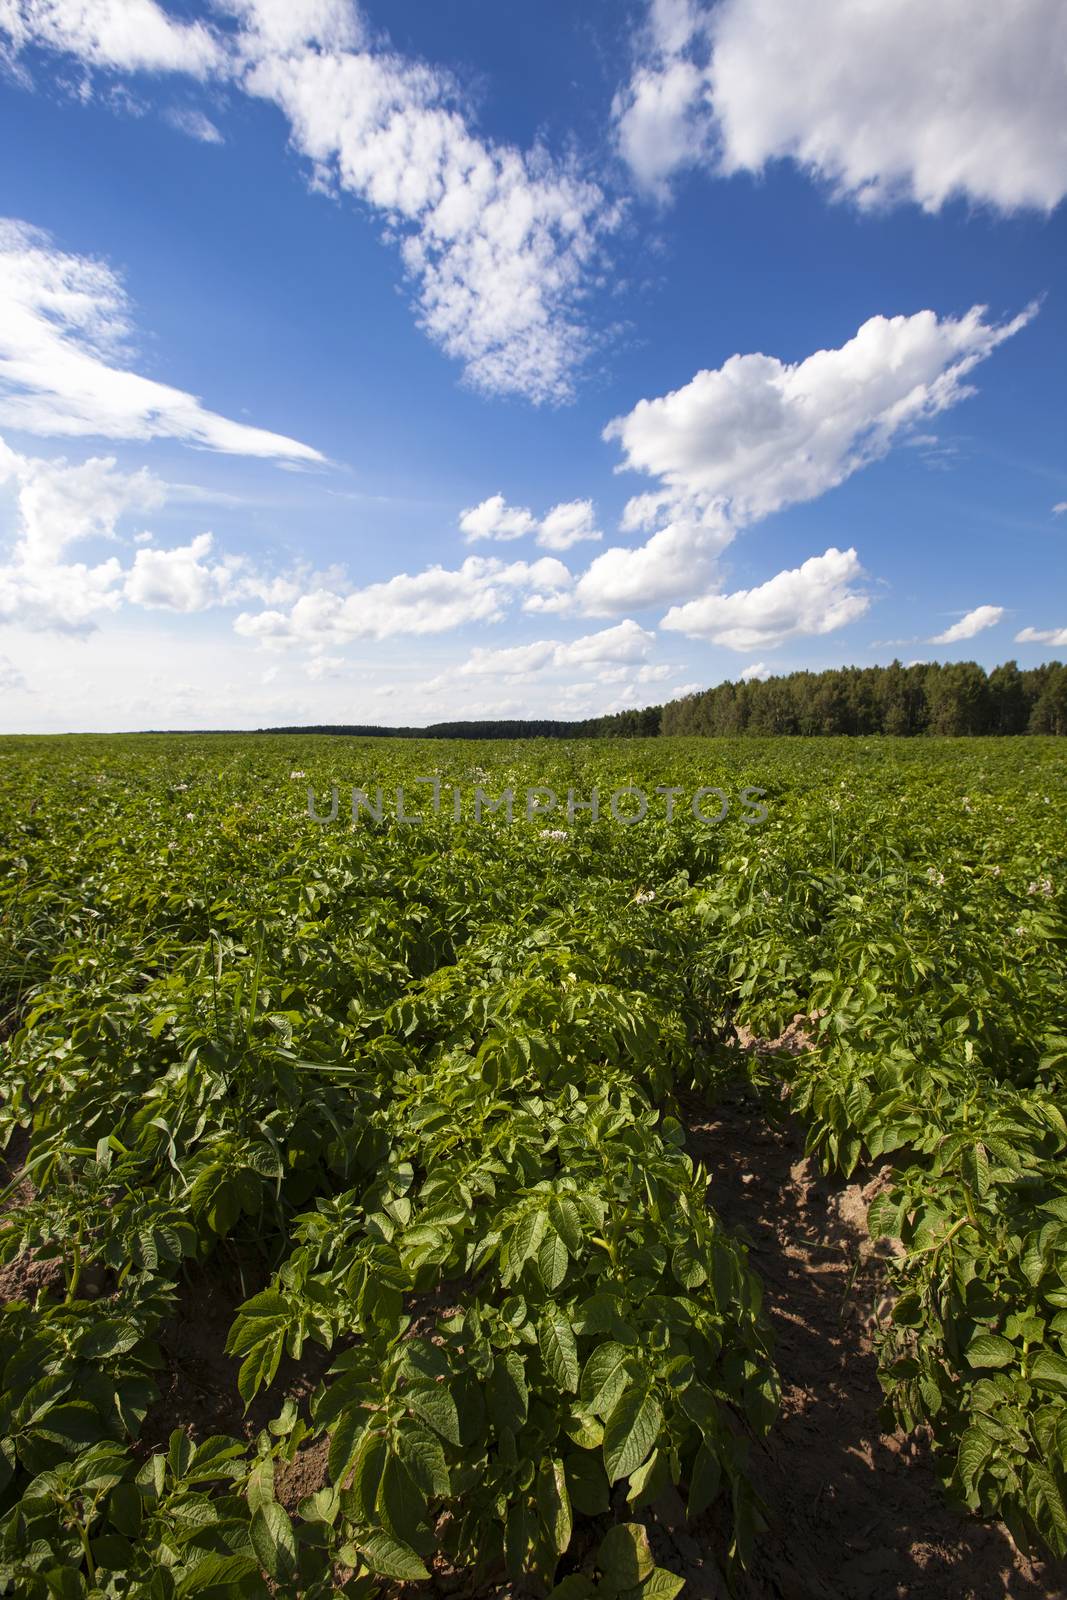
<point>353,1234</point>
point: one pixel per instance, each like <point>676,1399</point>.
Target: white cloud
<point>1052,636</point>
<point>287,25</point>
<point>757,433</point>
<point>758,670</point>
<point>814,598</point>
<point>626,644</point>
<point>495,519</point>
<point>627,641</point>
<point>433,601</point>
<point>58,504</point>
<point>194,124</point>
<point>512,661</point>
<point>63,327</point>
<point>677,560</point>
<point>974,622</point>
<point>885,101</point>
<point>663,117</point>
<point>497,243</point>
<point>115,35</point>
<point>182,579</point>
<point>567,524</point>
<point>1059,508</point>
<point>11,679</point>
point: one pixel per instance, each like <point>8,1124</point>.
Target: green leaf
<point>573,1587</point>
<point>661,1584</point>
<point>436,1407</point>
<point>649,1480</point>
<point>975,1450</point>
<point>390,1559</point>
<point>606,1374</point>
<point>564,1217</point>
<point>625,1557</point>
<point>1049,1367</point>
<point>976,1168</point>
<point>216,1572</point>
<point>526,1238</point>
<point>260,1490</point>
<point>1045,1482</point>
<point>519,1533</point>
<point>990,1350</point>
<point>401,1506</point>
<point>506,1394</point>
<point>704,1481</point>
<point>554,1504</point>
<point>271,1533</point>
<point>631,1431</point>
<point>552,1259</point>
<point>345,1442</point>
<point>426,1462</point>
<point>559,1349</point>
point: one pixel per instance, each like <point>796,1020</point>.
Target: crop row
<point>420,1081</point>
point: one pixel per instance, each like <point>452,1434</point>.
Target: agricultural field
<point>361,1222</point>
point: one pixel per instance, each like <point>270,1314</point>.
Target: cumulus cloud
<point>64,327</point>
<point>569,523</point>
<point>887,101</point>
<point>974,622</point>
<point>113,35</point>
<point>59,504</point>
<point>184,579</point>
<point>625,644</point>
<point>757,433</point>
<point>675,561</point>
<point>497,243</point>
<point>435,600</point>
<point>1059,508</point>
<point>1050,636</point>
<point>495,519</point>
<point>757,671</point>
<point>814,598</point>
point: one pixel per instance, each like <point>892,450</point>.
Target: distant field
<point>353,1231</point>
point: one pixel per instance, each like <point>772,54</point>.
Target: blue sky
<point>389,364</point>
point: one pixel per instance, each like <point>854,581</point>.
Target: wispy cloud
<point>64,343</point>
<point>193,123</point>
<point>974,622</point>
<point>499,244</point>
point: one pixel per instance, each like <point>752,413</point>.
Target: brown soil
<point>25,1277</point>
<point>853,1513</point>
<point>198,1384</point>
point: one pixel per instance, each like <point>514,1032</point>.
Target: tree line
<point>957,698</point>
